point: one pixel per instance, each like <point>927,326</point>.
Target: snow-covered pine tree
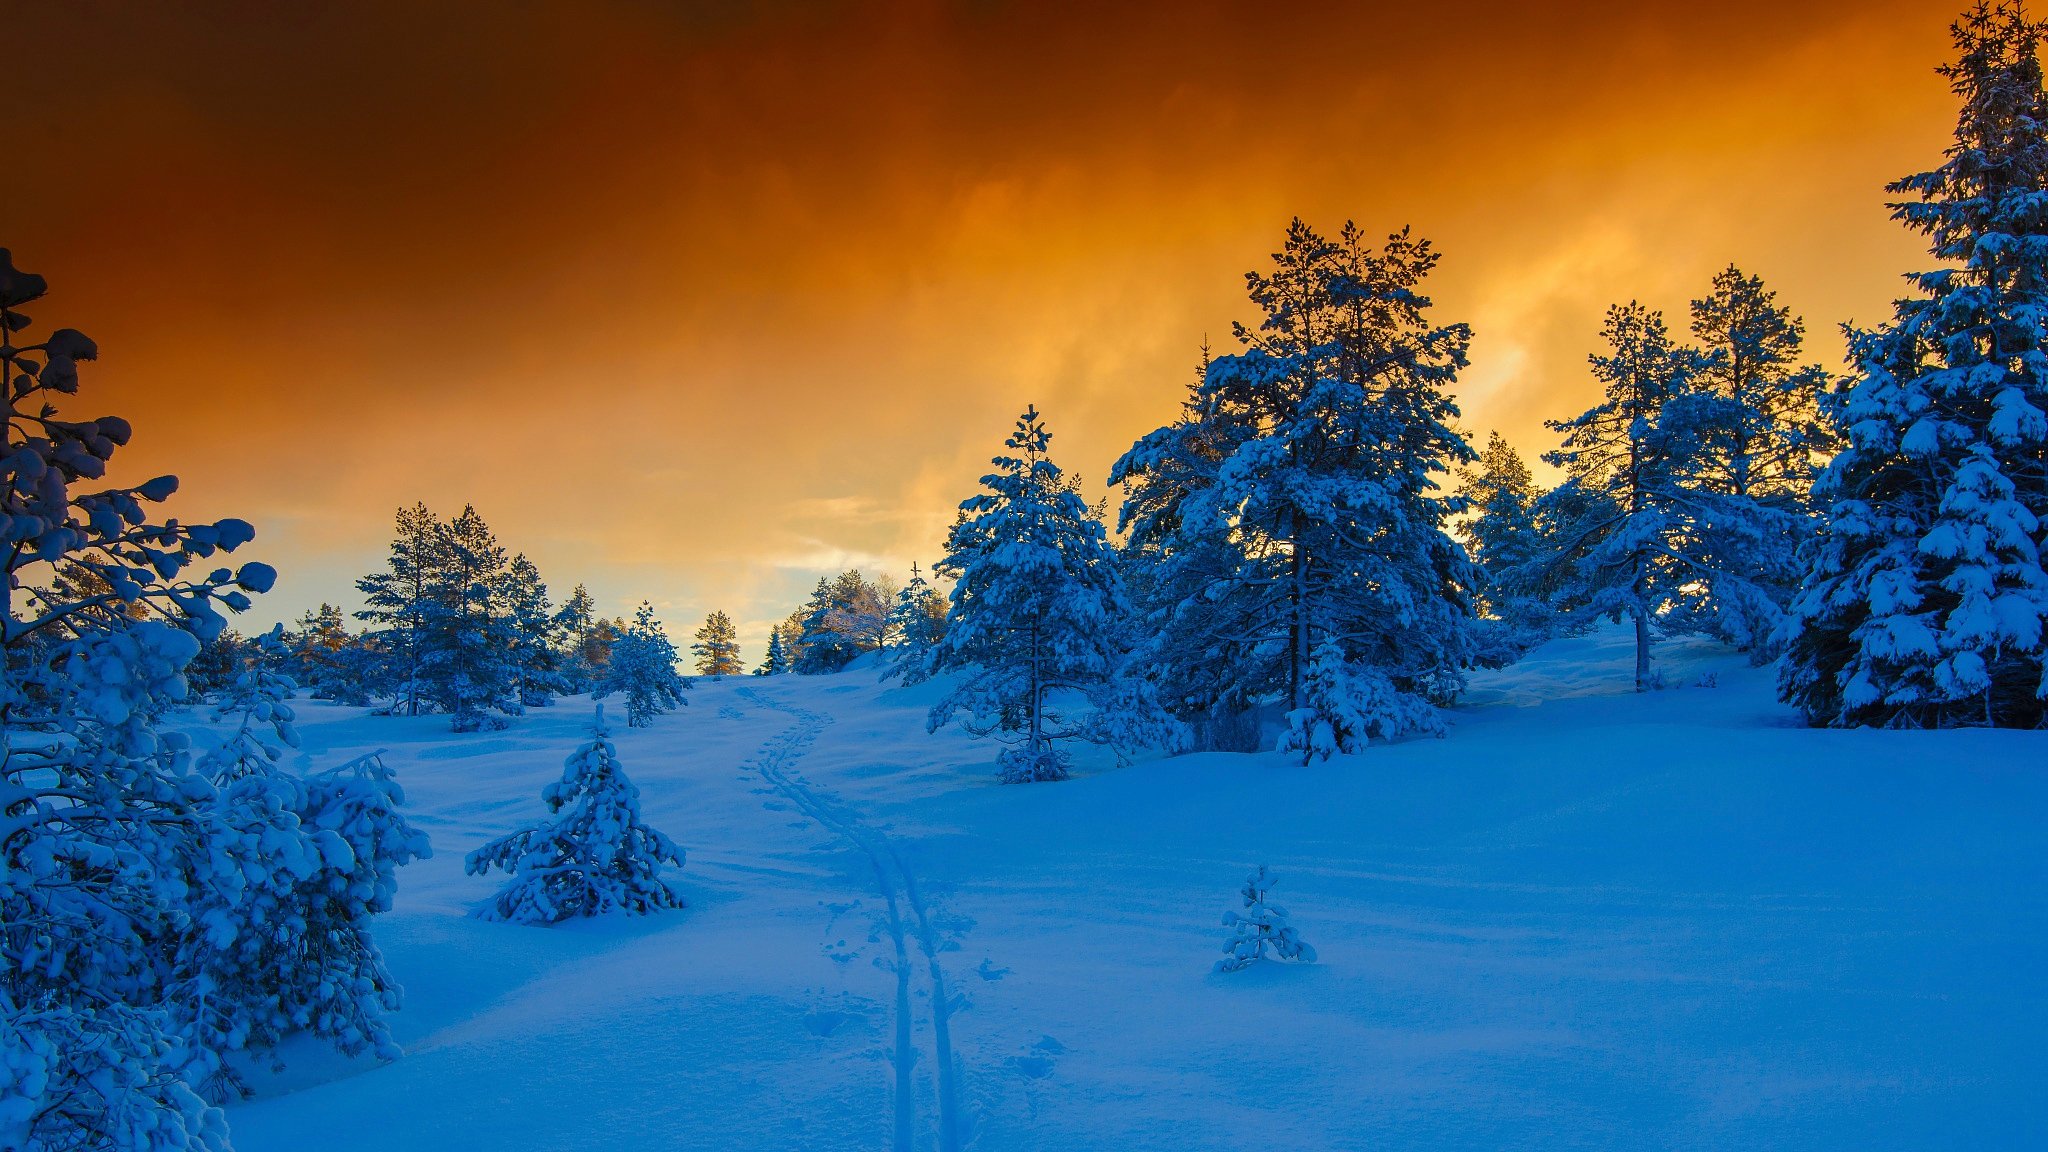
<point>1757,436</point>
<point>468,663</point>
<point>845,617</point>
<point>776,662</point>
<point>105,821</point>
<point>1621,530</point>
<point>642,667</point>
<point>396,602</point>
<point>535,630</point>
<point>1925,594</point>
<point>1037,615</point>
<point>1297,499</point>
<point>573,628</point>
<point>218,664</point>
<point>717,647</point>
<point>1260,928</point>
<point>279,943</point>
<point>1346,705</point>
<point>325,659</point>
<point>1502,535</point>
<point>806,651</point>
<point>917,623</point>
<point>596,856</point>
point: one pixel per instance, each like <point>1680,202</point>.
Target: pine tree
<point>396,602</point>
<point>1623,538</point>
<point>1346,705</point>
<point>574,628</point>
<point>105,818</point>
<point>534,629</point>
<point>1502,535</point>
<point>596,856</point>
<point>718,647</point>
<point>323,658</point>
<point>917,622</point>
<point>846,617</point>
<point>1037,612</point>
<point>1925,593</point>
<point>468,666</point>
<point>1756,437</point>
<point>776,663</point>
<point>1261,928</point>
<point>1297,500</point>
<point>642,667</point>
<point>280,944</point>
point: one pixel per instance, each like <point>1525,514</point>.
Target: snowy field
<point>1585,919</point>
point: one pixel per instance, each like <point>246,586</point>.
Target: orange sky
<point>697,301</point>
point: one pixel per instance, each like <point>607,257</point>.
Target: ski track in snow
<point>899,888</point>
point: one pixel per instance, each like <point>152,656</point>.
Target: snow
<point>1586,918</point>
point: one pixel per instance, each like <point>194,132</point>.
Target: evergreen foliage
<point>397,601</point>
<point>596,856</point>
<point>846,617</point>
<point>1503,536</point>
<point>642,668</point>
<point>1297,500</point>
<point>279,942</point>
<point>468,665</point>
<point>104,823</point>
<point>1622,527</point>
<point>1037,614</point>
<point>718,647</point>
<point>917,622</point>
<point>1925,592</point>
<point>776,662</point>
<point>1260,928</point>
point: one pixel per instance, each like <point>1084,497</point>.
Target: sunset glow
<point>699,307</point>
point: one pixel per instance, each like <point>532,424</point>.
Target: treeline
<point>454,625</point>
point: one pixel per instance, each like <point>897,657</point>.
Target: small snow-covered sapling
<point>1260,928</point>
<point>596,856</point>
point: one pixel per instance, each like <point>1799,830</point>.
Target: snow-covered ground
<point>1585,919</point>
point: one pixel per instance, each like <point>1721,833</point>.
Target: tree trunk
<point>1642,620</point>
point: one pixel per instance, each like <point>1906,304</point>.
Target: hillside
<point>1585,918</point>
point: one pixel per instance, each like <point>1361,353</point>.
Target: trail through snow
<point>1586,919</point>
<point>776,764</point>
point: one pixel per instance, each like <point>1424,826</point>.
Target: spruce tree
<point>1260,928</point>
<point>1502,536</point>
<point>776,663</point>
<point>917,622</point>
<point>1037,615</point>
<point>281,945</point>
<point>324,658</point>
<point>1621,526</point>
<point>1925,593</point>
<point>534,629</point>
<point>642,667</point>
<point>596,856</point>
<point>468,665</point>
<point>573,626</point>
<point>718,647</point>
<point>396,602</point>
<point>1755,436</point>
<point>1298,499</point>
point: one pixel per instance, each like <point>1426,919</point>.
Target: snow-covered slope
<point>1585,919</point>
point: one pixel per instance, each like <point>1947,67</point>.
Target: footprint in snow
<point>728,712</point>
<point>825,1022</point>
